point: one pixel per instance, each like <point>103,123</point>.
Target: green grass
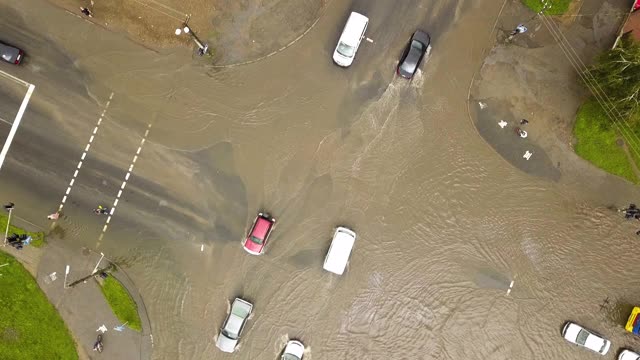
<point>30,327</point>
<point>38,237</point>
<point>558,7</point>
<point>597,141</point>
<point>121,303</point>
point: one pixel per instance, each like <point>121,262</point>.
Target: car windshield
<point>581,339</point>
<point>345,50</point>
<point>256,240</point>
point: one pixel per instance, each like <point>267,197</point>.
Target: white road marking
<point>124,184</point>
<point>84,155</point>
<point>13,78</point>
<point>16,123</point>
<point>510,287</point>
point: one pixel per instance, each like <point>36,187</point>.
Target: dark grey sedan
<point>413,54</point>
<point>11,54</point>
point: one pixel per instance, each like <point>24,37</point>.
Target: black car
<point>413,54</point>
<point>11,54</point>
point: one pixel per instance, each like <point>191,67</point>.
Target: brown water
<point>444,225</point>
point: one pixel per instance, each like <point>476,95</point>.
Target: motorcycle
<point>98,345</point>
<point>101,210</point>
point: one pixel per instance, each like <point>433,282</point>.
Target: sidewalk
<point>531,78</point>
<point>83,307</point>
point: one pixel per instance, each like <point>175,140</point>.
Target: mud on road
<point>236,30</point>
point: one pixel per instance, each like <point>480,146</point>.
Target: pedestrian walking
<point>524,122</point>
<point>632,212</point>
<point>520,29</point>
<point>86,11</point>
<point>523,134</point>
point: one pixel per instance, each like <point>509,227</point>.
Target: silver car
<point>233,325</point>
<point>11,54</point>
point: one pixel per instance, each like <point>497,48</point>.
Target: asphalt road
<point>191,153</point>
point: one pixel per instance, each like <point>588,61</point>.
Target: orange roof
<point>632,25</point>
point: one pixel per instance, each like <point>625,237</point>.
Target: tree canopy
<point>617,75</point>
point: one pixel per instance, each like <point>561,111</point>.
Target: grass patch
<point>597,141</point>
<point>121,303</point>
<point>558,7</point>
<point>38,237</point>
<point>30,327</point>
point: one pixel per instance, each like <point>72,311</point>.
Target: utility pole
<point>202,47</point>
<point>9,207</point>
<point>66,273</point>
<point>98,264</point>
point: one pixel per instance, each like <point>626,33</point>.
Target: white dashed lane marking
<point>124,184</point>
<point>84,154</point>
<point>510,287</point>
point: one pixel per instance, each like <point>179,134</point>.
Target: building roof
<point>632,26</point>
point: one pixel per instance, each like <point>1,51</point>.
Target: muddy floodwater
<point>459,255</point>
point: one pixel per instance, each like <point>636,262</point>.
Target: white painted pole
<point>66,273</point>
<point>6,231</point>
<point>98,264</point>
<point>16,123</point>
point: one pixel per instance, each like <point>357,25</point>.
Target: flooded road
<point>444,225</point>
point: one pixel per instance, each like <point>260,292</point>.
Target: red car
<point>258,236</point>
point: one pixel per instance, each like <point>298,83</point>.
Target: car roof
<point>261,228</point>
<point>340,250</point>
<point>353,28</point>
<point>8,52</point>
<point>234,324</point>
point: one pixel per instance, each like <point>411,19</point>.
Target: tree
<point>617,75</point>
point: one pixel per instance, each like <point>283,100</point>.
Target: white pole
<point>66,273</point>
<point>98,264</point>
<point>16,123</point>
<point>6,231</point>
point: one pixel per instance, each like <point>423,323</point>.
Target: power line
<point>583,71</point>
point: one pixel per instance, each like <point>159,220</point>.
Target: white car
<point>340,250</point>
<point>580,336</point>
<point>350,39</point>
<point>293,351</point>
<point>628,355</point>
<point>233,325</point>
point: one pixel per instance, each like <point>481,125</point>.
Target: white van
<point>350,39</point>
<point>339,251</point>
